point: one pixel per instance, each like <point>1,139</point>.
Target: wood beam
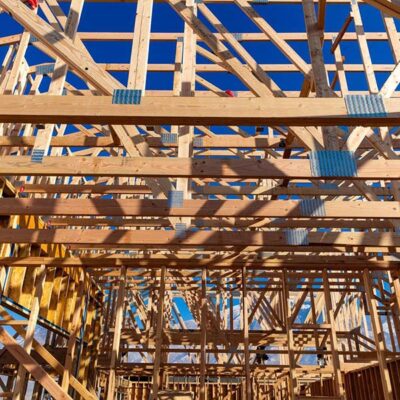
<point>32,366</point>
<point>203,339</point>
<point>115,352</point>
<point>251,261</point>
<point>382,240</point>
<point>187,167</point>
<point>190,111</point>
<point>158,336</point>
<point>197,208</point>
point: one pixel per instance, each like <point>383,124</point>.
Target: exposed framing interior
<point>232,233</point>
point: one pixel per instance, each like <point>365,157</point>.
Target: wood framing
<point>199,203</point>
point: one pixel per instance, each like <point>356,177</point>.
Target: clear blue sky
<point>119,17</point>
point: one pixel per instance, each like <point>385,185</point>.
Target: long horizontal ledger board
<point>225,222</point>
<point>190,111</point>
<point>173,36</point>
<point>193,238</point>
<point>304,262</point>
<point>201,208</point>
<point>185,167</point>
<point>206,190</point>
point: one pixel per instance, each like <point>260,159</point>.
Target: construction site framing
<point>198,241</point>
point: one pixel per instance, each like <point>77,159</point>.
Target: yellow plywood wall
<point>59,297</point>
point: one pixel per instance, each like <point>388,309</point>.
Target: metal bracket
<point>312,208</point>
<point>238,36</point>
<point>359,105</point>
<point>127,96</point>
<point>175,199</point>
<point>37,155</point>
<point>296,237</point>
<point>169,138</point>
<point>46,69</point>
<point>180,230</point>
<point>333,163</point>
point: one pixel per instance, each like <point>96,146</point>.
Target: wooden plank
<point>330,319</point>
<point>32,366</point>
<point>185,86</point>
<point>196,208</point>
<point>119,317</point>
<point>158,336</point>
<point>322,87</point>
<point>245,316</point>
<point>75,327</point>
<point>241,224</point>
<point>173,36</point>
<point>190,111</point>
<point>140,46</point>
<point>178,261</point>
<point>287,315</point>
<point>363,44</point>
<point>203,339</point>
<point>206,189</point>
<point>187,167</point>
<point>382,240</point>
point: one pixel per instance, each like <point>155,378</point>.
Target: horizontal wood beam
<point>186,168</point>
<point>167,238</point>
<point>214,262</point>
<point>173,36</point>
<point>206,190</point>
<point>86,189</point>
<point>189,111</point>
<point>312,248</point>
<point>233,222</point>
<point>197,208</point>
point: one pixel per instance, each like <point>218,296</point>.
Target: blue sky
<point>119,17</point>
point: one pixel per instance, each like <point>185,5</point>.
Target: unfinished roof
<point>199,199</point>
